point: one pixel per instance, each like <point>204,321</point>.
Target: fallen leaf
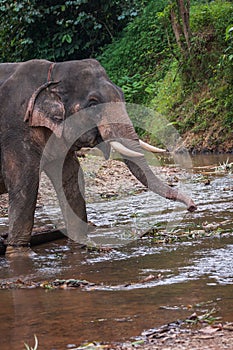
<point>209,330</point>
<point>228,326</point>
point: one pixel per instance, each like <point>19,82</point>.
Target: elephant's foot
<point>19,251</point>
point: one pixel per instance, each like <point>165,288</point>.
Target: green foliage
<point>224,74</point>
<point>14,40</point>
<point>131,60</point>
<point>208,23</point>
<point>206,36</point>
<point>61,30</point>
<point>203,101</point>
<point>170,91</point>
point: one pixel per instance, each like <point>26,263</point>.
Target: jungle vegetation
<point>175,56</point>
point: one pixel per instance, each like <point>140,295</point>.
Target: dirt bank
<point>212,141</point>
<point>207,338</point>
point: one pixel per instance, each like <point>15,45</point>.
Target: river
<point>195,273</point>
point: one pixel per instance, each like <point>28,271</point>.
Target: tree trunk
<point>179,17</point>
<point>184,13</point>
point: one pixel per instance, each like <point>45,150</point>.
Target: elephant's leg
<point>21,177</point>
<point>2,183</point>
<point>68,181</point>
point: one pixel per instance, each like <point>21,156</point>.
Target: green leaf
<point>67,38</point>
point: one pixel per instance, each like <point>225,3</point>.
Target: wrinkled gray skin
<point>37,98</point>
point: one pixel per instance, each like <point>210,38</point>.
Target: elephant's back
<point>6,70</point>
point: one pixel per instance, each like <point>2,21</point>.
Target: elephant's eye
<point>92,102</point>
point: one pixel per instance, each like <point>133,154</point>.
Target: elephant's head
<point>79,102</point>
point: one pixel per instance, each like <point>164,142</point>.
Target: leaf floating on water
<point>148,278</point>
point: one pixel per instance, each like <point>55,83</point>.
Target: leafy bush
<point>208,23</point>
<point>203,102</point>
<point>134,60</point>
<point>61,30</point>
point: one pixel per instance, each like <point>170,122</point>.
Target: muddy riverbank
<point>206,338</point>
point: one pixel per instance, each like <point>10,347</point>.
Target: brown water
<point>120,306</point>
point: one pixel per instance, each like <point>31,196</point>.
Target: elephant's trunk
<point>144,174</point>
<point>140,169</point>
<point>137,164</point>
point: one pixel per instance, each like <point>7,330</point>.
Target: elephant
<point>71,105</point>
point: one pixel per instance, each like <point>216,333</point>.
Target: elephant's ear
<point>45,108</point>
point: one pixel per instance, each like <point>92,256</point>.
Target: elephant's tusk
<point>124,150</point>
<point>150,148</point>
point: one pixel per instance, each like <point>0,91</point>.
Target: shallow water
<point>121,305</point>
